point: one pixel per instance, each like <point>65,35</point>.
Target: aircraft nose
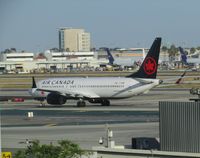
<point>31,91</point>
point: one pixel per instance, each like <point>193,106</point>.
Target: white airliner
<point>120,61</point>
<point>100,89</point>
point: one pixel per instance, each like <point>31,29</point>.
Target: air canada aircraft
<point>100,90</point>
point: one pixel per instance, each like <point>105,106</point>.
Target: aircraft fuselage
<point>97,87</point>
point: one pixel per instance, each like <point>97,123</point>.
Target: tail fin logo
<point>149,66</point>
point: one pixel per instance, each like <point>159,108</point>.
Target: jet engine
<point>56,99</point>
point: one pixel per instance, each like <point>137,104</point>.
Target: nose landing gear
<point>81,103</point>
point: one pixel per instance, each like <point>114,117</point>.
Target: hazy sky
<point>32,25</point>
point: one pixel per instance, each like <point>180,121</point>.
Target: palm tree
<point>173,50</point>
<point>192,50</point>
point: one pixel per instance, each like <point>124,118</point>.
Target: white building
<point>67,56</point>
<point>18,56</point>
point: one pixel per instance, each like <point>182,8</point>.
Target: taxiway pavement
<point>85,135</point>
<point>133,117</point>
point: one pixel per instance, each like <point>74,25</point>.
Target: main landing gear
<point>42,104</point>
<point>105,102</point>
<point>81,103</point>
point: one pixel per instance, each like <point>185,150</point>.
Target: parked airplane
<point>183,56</point>
<point>186,60</point>
<point>119,61</point>
<point>110,57</point>
<point>100,89</point>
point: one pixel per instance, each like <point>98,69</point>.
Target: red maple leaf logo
<point>149,66</point>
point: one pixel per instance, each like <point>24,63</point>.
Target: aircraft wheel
<point>42,104</point>
<point>105,103</point>
<point>81,104</point>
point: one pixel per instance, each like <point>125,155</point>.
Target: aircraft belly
<point>104,93</point>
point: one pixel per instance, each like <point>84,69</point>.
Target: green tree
<point>67,50</point>
<point>20,154</point>
<point>172,50</point>
<point>164,48</point>
<point>198,48</point>
<point>192,50</point>
<point>70,149</point>
<point>7,51</point>
<point>64,149</point>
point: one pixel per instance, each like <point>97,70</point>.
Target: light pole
<point>108,139</point>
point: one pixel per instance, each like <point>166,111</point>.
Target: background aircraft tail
<point>183,56</point>
<point>110,57</point>
<point>149,66</point>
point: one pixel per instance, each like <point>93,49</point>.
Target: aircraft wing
<point>175,81</point>
<point>73,94</point>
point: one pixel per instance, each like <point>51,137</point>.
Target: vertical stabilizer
<point>33,83</point>
<point>110,57</point>
<point>183,56</point>
<point>148,69</point>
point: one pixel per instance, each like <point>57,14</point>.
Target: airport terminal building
<point>20,62</point>
<point>26,62</point>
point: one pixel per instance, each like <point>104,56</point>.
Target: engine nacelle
<point>56,99</point>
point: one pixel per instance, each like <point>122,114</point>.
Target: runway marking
<point>81,110</point>
<point>50,125</point>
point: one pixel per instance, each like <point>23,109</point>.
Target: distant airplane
<point>186,60</point>
<point>119,61</point>
<point>100,89</point>
<point>110,57</point>
<point>183,56</point>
